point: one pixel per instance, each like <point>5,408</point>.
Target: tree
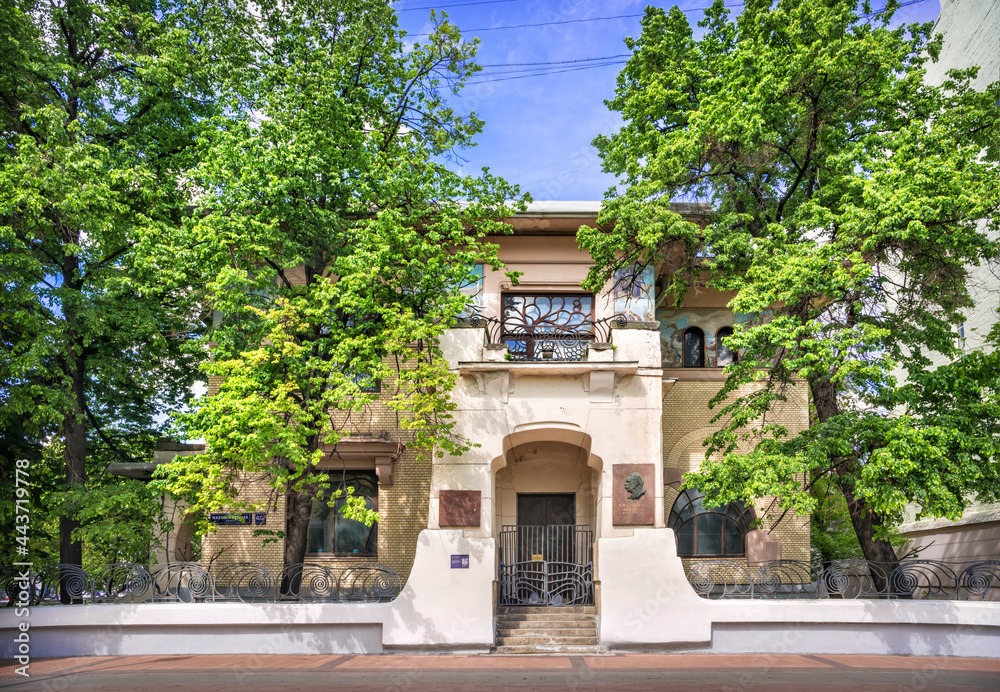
<point>845,197</point>
<point>100,104</point>
<point>333,240</point>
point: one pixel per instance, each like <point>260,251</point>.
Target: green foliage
<point>846,201</point>
<point>332,240</point>
<point>102,103</point>
<point>831,535</point>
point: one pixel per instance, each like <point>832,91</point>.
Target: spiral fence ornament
<point>790,577</point>
<point>602,328</point>
<point>307,582</point>
<point>720,579</point>
<point>16,585</point>
<point>243,581</point>
<point>371,582</point>
<point>981,581</point>
<point>847,579</point>
<point>492,326</point>
<point>122,582</point>
<point>922,579</point>
<point>61,583</point>
<point>183,581</point>
<point>850,578</point>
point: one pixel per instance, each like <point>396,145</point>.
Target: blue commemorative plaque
<point>460,562</point>
<point>231,518</point>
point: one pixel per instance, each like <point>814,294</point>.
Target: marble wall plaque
<point>633,500</point>
<point>459,508</point>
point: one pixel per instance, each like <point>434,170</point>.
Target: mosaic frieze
<point>673,323</point>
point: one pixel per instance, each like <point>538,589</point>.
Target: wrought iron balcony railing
<point>547,342</point>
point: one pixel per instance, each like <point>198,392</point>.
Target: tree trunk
<point>298,508</point>
<point>74,420</point>
<point>863,518</point>
<point>875,550</point>
<point>75,434</point>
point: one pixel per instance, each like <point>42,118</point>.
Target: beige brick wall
<point>402,506</point>
<point>228,544</point>
<point>687,423</point>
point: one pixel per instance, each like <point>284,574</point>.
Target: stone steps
<point>539,630</point>
<point>546,610</point>
<point>583,630</point>
<point>542,649</point>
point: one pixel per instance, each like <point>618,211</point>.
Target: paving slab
<point>412,672</point>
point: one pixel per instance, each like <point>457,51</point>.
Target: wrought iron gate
<point>546,565</point>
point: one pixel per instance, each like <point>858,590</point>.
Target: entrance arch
<point>546,487</point>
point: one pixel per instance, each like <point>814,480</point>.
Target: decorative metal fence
<point>546,565</point>
<point>550,341</point>
<point>191,582</point>
<point>847,579</point>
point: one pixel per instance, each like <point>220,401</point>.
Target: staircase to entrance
<point>538,629</point>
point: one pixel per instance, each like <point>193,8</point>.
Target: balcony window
<point>548,327</point>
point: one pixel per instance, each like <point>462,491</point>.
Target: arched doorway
<point>546,486</point>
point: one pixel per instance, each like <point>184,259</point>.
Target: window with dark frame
<point>724,354</point>
<point>366,383</point>
<point>694,348</point>
<point>331,532</point>
<point>709,532</point>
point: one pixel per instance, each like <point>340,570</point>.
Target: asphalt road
<point>419,673</point>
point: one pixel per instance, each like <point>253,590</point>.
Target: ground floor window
<point>703,531</point>
<point>330,532</point>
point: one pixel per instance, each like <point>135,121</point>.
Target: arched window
<point>705,531</point>
<point>694,348</point>
<point>724,355</point>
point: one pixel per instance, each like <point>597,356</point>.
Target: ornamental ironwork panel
<point>307,582</point>
<point>545,340</point>
<point>192,582</point>
<point>184,582</point>
<point>122,582</point>
<point>546,565</point>
<point>370,582</point>
<point>914,579</point>
<point>244,582</point>
<point>548,327</point>
<point>59,583</point>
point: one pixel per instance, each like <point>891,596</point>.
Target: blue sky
<point>539,128</point>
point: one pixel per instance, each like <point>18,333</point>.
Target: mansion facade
<point>585,411</point>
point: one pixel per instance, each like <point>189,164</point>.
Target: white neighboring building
<point>971,31</point>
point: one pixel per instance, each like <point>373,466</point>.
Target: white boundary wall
<point>646,604</point>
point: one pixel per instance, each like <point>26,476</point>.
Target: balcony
<point>583,354</point>
<point>543,328</point>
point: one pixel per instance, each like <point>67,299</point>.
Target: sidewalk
<point>482,673</point>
